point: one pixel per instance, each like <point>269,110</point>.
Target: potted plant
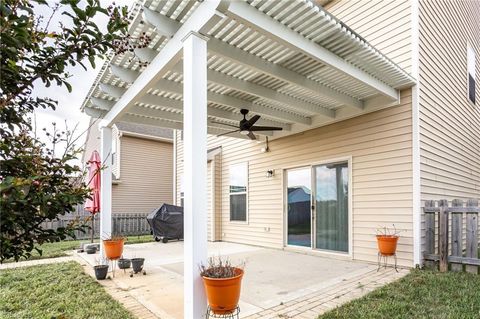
<point>124,263</point>
<point>113,246</point>
<point>101,270</point>
<point>387,239</point>
<point>222,283</point>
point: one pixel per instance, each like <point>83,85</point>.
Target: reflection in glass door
<point>331,207</point>
<point>298,207</point>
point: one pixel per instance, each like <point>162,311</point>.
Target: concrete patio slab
<point>272,277</point>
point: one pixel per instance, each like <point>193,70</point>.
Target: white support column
<point>106,185</point>
<point>195,168</point>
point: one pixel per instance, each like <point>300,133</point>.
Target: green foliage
<point>420,294</point>
<point>36,184</point>
<point>55,291</point>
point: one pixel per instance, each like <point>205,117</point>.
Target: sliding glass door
<point>299,226</point>
<point>331,206</point>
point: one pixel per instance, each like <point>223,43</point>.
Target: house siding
<point>449,122</point>
<point>380,146</point>
<point>146,175</point>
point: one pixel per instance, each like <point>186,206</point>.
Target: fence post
<point>457,233</point>
<point>472,235</point>
<point>429,233</point>
<point>443,235</point>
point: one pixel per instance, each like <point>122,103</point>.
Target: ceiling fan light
<point>244,132</point>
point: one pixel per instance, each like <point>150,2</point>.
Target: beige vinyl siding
<point>92,143</point>
<point>380,146</point>
<point>146,175</point>
<point>386,24</point>
<point>449,122</point>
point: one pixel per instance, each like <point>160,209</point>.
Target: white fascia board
<point>257,20</point>
<point>232,53</point>
<point>204,15</point>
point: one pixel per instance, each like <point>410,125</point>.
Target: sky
<point>68,109</point>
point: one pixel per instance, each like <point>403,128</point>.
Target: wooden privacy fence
<point>126,224</point>
<point>451,239</point>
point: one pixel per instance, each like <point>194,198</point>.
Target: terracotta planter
<point>387,244</point>
<point>223,293</point>
<point>113,248</point>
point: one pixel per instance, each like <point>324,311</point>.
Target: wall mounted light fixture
<point>270,173</point>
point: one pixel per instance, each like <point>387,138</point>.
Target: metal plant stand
<point>234,314</point>
<point>384,258</point>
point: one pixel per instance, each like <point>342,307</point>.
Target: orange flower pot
<point>387,244</point>
<point>223,293</point>
<point>113,248</point>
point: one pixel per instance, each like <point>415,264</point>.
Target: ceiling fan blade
<point>253,119</point>
<point>221,123</point>
<point>228,133</point>
<point>265,128</point>
<point>251,136</point>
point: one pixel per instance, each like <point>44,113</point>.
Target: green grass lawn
<point>55,291</point>
<point>420,294</point>
<point>61,248</point>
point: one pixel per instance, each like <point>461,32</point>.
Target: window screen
<point>471,74</point>
<point>238,192</point>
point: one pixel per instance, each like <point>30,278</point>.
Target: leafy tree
<point>36,184</point>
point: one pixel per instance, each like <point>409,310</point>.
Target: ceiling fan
<point>247,127</point>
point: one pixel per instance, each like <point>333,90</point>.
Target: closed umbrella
<point>93,203</point>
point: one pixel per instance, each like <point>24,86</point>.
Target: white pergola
<point>289,61</point>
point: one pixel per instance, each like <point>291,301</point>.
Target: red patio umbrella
<point>93,204</point>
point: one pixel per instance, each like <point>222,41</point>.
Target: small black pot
<point>101,272</point>
<point>137,264</point>
<point>124,263</point>
<point>91,249</point>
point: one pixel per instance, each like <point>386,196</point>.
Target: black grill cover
<point>166,221</point>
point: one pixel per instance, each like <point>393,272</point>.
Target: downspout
<point>416,181</point>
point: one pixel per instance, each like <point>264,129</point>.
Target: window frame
<point>246,221</point>
<point>471,55</point>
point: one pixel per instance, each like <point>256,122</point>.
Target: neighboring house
<point>142,165</point>
<point>378,102</point>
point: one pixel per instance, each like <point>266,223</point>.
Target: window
<point>238,192</point>
<point>471,73</point>
<point>182,190</point>
<point>114,151</point>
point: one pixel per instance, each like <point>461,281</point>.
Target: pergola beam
<point>212,111</point>
<point>262,92</point>
<point>201,19</point>
<point>242,57</point>
<point>163,25</point>
<point>253,18</point>
<point>174,87</point>
<point>178,117</point>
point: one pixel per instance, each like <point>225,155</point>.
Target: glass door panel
<point>331,206</point>
<point>299,227</point>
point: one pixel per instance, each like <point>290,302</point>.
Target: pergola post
<point>105,186</point>
<point>195,168</point>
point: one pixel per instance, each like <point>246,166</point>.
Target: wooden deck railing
<point>451,239</point>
